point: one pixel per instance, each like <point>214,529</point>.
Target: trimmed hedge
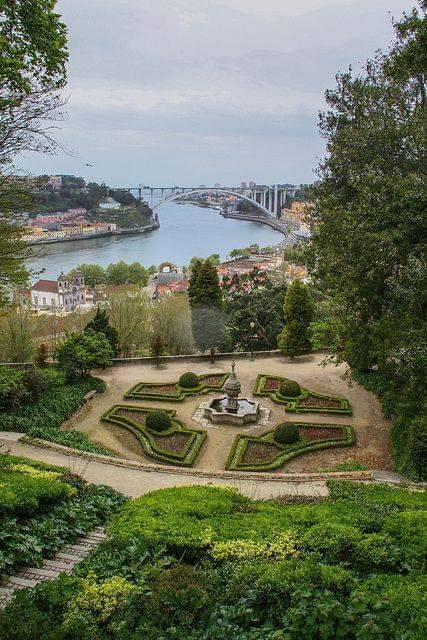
<point>146,390</point>
<point>286,433</point>
<point>147,438</point>
<point>43,418</point>
<point>290,389</point>
<point>188,380</point>
<point>158,421</point>
<point>293,403</point>
<point>285,452</point>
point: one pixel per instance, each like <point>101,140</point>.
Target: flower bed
<point>177,445</point>
<point>263,453</point>
<point>172,391</point>
<point>306,402</point>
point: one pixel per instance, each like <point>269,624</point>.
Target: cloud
<point>227,87</point>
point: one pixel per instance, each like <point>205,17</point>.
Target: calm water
<point>185,231</point>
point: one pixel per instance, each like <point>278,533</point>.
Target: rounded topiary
<point>286,433</point>
<point>189,380</point>
<point>290,389</point>
<point>158,421</point>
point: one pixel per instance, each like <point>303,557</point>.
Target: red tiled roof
<point>51,286</point>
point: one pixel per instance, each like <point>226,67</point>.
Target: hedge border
<point>136,392</point>
<point>292,404</point>
<point>146,437</point>
<point>237,451</point>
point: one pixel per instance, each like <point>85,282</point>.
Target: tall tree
<point>100,324</point>
<point>33,45</point>
<point>205,295</point>
<point>298,308</point>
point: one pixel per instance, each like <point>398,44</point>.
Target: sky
<point>189,92</point>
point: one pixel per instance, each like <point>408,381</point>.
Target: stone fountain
<point>230,409</point>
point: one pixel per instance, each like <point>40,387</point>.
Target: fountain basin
<point>246,411</point>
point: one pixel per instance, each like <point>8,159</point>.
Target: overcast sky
<point>203,91</point>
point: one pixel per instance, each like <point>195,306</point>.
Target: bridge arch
<point>178,195</point>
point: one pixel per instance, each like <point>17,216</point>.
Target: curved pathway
<point>134,482</point>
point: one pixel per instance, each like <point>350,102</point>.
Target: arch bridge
<point>267,198</point>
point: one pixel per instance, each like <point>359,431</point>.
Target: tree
<point>206,303</point>
<point>171,317</point>
<point>100,324</point>
<point>12,388</point>
<point>253,299</point>
<point>32,68</point>
<point>93,274</point>
<point>42,355</point>
<point>157,347</point>
<point>298,310</point>
<point>84,351</point>
<point>17,329</point>
<point>122,273</point>
<point>129,313</point>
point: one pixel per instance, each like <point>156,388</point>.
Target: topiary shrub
<point>290,389</point>
<point>158,421</point>
<point>189,380</point>
<point>286,433</point>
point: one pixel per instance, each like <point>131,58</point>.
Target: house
<point>61,295</point>
<point>168,280</point>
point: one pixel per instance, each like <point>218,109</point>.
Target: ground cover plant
<point>162,435</point>
<point>177,391</point>
<point>42,416</point>
<point>206,563</point>
<point>274,448</point>
<point>42,507</point>
<point>275,388</point>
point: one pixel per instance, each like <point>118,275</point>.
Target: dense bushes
<point>290,389</point>
<point>286,433</point>
<point>42,506</point>
<point>239,569</point>
<point>189,380</point>
<point>12,389</point>
<point>42,418</point>
<point>405,407</point>
<point>158,421</point>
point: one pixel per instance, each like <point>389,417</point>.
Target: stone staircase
<point>62,562</point>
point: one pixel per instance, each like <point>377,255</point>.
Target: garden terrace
<point>307,402</point>
<point>177,445</point>
<point>263,453</point>
<point>172,391</point>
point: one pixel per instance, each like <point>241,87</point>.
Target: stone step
<point>58,565</point>
<point>34,573</point>
<point>6,591</point>
<point>20,583</point>
<point>76,548</point>
<point>71,557</point>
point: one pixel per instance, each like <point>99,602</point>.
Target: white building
<point>55,182</point>
<point>61,295</point>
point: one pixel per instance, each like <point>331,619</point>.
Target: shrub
<point>35,382</point>
<point>286,433</point>
<point>290,389</point>
<point>158,421</point>
<point>54,377</point>
<point>188,380</point>
<point>12,388</point>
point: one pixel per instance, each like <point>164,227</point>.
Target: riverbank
<point>99,234</point>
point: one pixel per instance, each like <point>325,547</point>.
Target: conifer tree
<point>298,310</point>
<point>205,295</point>
<point>100,324</point>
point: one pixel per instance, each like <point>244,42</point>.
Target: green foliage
<point>100,324</point>
<point>367,253</point>
<point>290,389</point>
<point>298,310</point>
<point>174,391</point>
<point>158,421</point>
<point>36,382</point>
<point>205,296</point>
<point>240,569</point>
<point>43,418</point>
<point>93,274</point>
<point>286,433</point>
<point>12,388</point>
<point>42,355</point>
<point>189,380</point>
<point>83,351</point>
<point>122,273</point>
<point>157,347</point>
<point>253,298</point>
<point>24,488</point>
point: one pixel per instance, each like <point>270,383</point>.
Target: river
<point>185,231</point>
